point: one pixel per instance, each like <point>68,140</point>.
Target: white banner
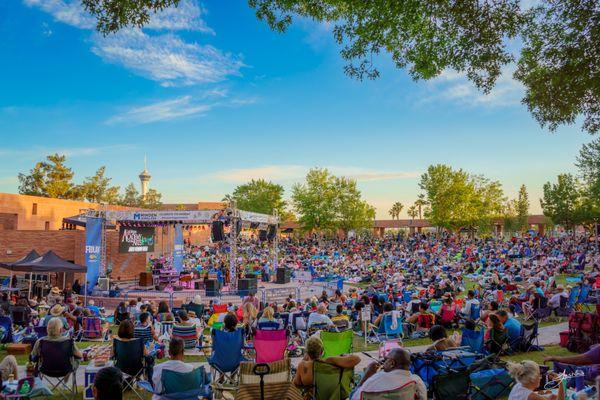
<point>199,217</point>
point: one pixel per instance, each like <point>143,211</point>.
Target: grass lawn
<point>538,356</point>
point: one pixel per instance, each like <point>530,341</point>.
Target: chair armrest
<point>147,386</point>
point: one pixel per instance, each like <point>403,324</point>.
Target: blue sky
<point>214,98</point>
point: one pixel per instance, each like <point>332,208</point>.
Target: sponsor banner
<point>136,239</point>
<point>178,250</point>
<point>93,246</point>
<point>199,216</point>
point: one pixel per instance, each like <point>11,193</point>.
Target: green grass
<point>538,356</point>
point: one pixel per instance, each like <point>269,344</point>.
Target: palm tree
<point>396,210</point>
<point>412,211</point>
<point>420,202</point>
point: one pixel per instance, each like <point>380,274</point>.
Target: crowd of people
<point>427,283</point>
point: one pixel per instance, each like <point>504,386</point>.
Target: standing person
<point>393,374</point>
<point>251,298</point>
<point>76,287</point>
<point>108,384</point>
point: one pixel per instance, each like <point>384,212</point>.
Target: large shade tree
<point>259,196</point>
<point>558,64</point>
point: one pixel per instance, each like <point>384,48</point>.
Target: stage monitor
<point>217,231</point>
<point>136,239</point>
<point>271,232</point>
<point>262,235</point>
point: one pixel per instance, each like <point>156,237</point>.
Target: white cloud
<point>162,111</point>
<point>38,152</point>
<point>455,87</point>
<point>68,12</point>
<point>282,173</point>
<point>166,58</point>
<point>186,16</point>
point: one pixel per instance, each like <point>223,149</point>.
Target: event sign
<point>136,239</point>
<point>93,246</point>
<point>178,250</point>
<point>196,216</point>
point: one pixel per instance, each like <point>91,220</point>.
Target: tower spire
<point>144,178</point>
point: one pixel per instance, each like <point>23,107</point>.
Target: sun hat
<point>197,299</point>
<point>55,290</point>
<point>57,310</point>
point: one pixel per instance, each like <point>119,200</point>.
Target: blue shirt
<point>513,328</point>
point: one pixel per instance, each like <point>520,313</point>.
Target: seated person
<point>230,322</point>
<point>440,339</point>
<point>392,374</point>
<point>57,311</point>
<point>591,357</point>
<point>108,384</point>
<point>423,320</point>
<point>145,329</point>
<point>164,314</point>
<point>491,309</point>
<point>175,363</point>
<point>512,325</point>
<point>495,336</point>
<point>268,315</point>
<point>528,377</point>
<point>55,329</point>
<point>470,301</point>
<point>314,350</point>
<point>447,313</point>
<point>93,308</point>
<point>320,317</point>
<point>412,307</point>
<point>121,313</point>
<point>339,314</point>
<point>9,366</point>
<point>126,334</point>
<point>560,296</point>
<point>387,310</point>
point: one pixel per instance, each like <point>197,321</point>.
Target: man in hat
<point>54,296</point>
<point>56,311</point>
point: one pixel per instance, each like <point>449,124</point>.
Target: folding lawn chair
<point>20,316</point>
<point>92,329</point>
<point>6,325</point>
<point>270,345</point>
<point>55,367</point>
<point>269,325</point>
<point>164,328</point>
<point>144,333</point>
<point>331,382</point>
<point>490,384</point>
<point>129,358</point>
<point>473,339</point>
<point>529,337</point>
<point>191,385</point>
<point>225,359</point>
<point>188,334</point>
<point>407,391</point>
<point>40,331</point>
<point>276,380</point>
<point>336,343</point>
<point>475,313</point>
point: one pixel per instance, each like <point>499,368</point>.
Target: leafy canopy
<point>259,196</point>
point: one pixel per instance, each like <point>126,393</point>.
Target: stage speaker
<point>283,275</point>
<point>262,235</point>
<point>197,285</point>
<point>246,286</point>
<point>271,232</point>
<point>238,227</point>
<point>146,279</point>
<point>212,288</point>
<point>217,231</point>
<point>103,284</point>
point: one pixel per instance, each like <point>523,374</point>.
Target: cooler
<point>89,376</point>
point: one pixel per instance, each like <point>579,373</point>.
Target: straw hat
<point>57,310</point>
<point>197,299</point>
<point>55,290</point>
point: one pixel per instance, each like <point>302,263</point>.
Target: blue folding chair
<point>225,359</point>
<point>573,296</point>
<point>191,385</point>
<point>475,312</point>
<point>390,332</point>
<point>583,295</point>
<point>473,339</point>
<point>6,324</point>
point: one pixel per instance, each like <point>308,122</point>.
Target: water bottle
<point>25,388</point>
<point>579,380</point>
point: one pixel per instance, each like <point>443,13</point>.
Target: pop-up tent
<point>32,255</point>
<point>49,262</point>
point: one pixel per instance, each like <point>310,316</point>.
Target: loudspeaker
<point>247,285</point>
<point>262,235</point>
<point>271,232</point>
<point>238,227</point>
<point>283,275</point>
<point>197,285</point>
<point>103,284</point>
<point>212,288</point>
<point>217,231</point>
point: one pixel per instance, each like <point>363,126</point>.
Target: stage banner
<point>136,239</point>
<point>93,245</point>
<point>178,250</point>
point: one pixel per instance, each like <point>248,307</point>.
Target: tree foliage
<point>522,209</point>
<point>259,196</point>
<point>458,200</point>
<point>52,178</point>
<point>561,201</point>
<point>396,210</point>
<point>327,203</point>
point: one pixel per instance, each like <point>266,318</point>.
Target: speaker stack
<point>146,279</point>
<point>217,231</point>
<point>246,286</point>
<point>212,288</point>
<point>283,275</point>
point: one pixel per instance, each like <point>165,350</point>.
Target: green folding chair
<point>336,343</point>
<point>406,392</point>
<point>331,382</point>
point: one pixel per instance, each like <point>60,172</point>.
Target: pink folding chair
<point>270,345</point>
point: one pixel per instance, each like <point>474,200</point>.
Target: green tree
<point>396,210</point>
<point>412,212</point>
<point>259,196</point>
<point>314,200</point>
<point>561,201</point>
<point>522,209</point>
<point>97,188</point>
<point>50,178</point>
<point>420,203</point>
<point>588,163</point>
<point>509,217</point>
<point>131,197</point>
<point>352,212</point>
<point>151,200</point>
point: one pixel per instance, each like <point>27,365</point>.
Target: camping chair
<point>475,313</point>
<point>407,391</point>
<point>498,342</point>
<point>198,309</point>
<point>490,384</point>
<point>473,339</point>
<point>331,382</point>
<point>573,296</point>
<point>129,358</point>
<point>336,343</point>
<point>430,364</point>
<point>144,333</point>
<point>55,362</point>
<point>225,359</point>
<point>299,321</point>
<point>284,317</point>
<point>269,326</point>
<point>529,337</point>
<point>6,324</point>
<point>19,316</point>
<point>164,328</point>
<point>563,308</point>
<point>92,329</point>
<point>270,345</point>
<point>276,378</point>
<point>182,385</point>
<point>385,329</point>
<point>40,331</point>
<point>435,305</point>
<point>188,334</point>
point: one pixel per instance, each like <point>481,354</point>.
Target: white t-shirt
<point>519,392</point>
<point>395,379</point>
<point>316,318</point>
<point>171,365</point>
